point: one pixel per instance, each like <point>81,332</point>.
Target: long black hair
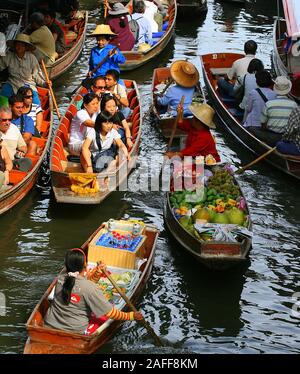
<point>74,261</point>
<point>87,98</point>
<point>102,117</point>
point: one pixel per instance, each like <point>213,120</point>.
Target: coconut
<point>236,216</point>
<point>220,218</point>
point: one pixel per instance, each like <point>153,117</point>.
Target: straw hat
<point>282,85</point>
<point>102,30</point>
<point>184,73</point>
<point>204,113</point>
<point>24,38</point>
<point>118,9</point>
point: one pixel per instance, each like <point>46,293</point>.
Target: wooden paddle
<point>161,94</point>
<point>242,169</point>
<point>179,117</point>
<point>50,88</point>
<point>129,303</point>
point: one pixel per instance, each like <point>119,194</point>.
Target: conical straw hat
<point>102,30</point>
<point>204,113</point>
<point>184,73</point>
<point>24,38</point>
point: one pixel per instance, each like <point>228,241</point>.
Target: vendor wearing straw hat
<point>199,141</point>
<point>186,77</point>
<point>23,67</point>
<point>103,35</point>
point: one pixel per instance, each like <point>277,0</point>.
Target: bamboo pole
<point>50,89</point>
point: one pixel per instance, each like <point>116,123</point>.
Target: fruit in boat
<point>202,213</point>
<point>185,221</point>
<point>236,216</point>
<point>220,218</point>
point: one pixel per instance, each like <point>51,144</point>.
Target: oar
<point>242,169</point>
<point>129,303</point>
<point>161,94</point>
<point>50,89</point>
<point>179,117</point>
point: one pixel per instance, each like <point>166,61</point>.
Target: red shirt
<point>199,142</point>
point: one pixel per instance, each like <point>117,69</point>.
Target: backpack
<point>134,28</point>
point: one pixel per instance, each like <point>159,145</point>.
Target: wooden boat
<point>135,59</point>
<point>188,8</point>
<point>216,255</point>
<point>109,181</point>
<point>21,181</point>
<point>162,76</point>
<point>43,339</point>
<point>62,64</point>
<point>218,64</point>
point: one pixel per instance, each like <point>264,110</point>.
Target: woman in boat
<point>186,77</point>
<point>110,105</point>
<point>6,166</point>
<point>199,141</point>
<point>290,143</point>
<point>77,299</point>
<point>31,109</point>
<point>117,88</point>
<point>98,149</point>
<point>103,49</point>
<point>118,22</point>
<point>84,117</point>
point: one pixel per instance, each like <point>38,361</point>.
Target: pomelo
<point>236,216</point>
<point>221,218</point>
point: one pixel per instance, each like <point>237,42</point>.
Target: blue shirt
<point>255,106</point>
<point>28,124</point>
<point>145,31</point>
<point>173,96</point>
<point>97,55</point>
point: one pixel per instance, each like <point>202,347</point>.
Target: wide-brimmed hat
<point>184,73</point>
<point>24,38</point>
<point>204,113</point>
<point>102,30</point>
<point>118,9</point>
<point>282,85</point>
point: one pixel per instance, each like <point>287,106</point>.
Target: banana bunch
<point>84,183</point>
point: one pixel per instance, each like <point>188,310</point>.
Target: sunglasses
<point>6,120</point>
<point>28,97</point>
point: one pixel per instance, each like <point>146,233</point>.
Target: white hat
<point>282,85</point>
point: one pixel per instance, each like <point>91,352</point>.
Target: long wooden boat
<point>213,254</point>
<point>218,64</point>
<point>21,181</point>
<point>62,64</point>
<point>44,340</point>
<point>108,180</point>
<point>187,8</point>
<point>161,76</point>
<point>135,59</point>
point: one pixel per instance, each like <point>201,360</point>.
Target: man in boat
<point>23,122</point>
<point>144,33</point>
<point>186,77</point>
<point>6,165</point>
<point>77,299</point>
<point>238,69</point>
<point>23,68</point>
<point>13,141</point>
<point>290,143</point>
<point>199,141</point>
<point>275,114</point>
<point>57,32</point>
<point>118,91</point>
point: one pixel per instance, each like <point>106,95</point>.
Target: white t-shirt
<point>106,141</point>
<point>12,140</point>
<point>77,133</point>
<point>151,9</point>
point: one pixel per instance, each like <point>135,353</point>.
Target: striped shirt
<point>34,111</point>
<point>276,113</point>
<point>292,133</point>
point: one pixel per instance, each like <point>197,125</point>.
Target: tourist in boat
<point>42,38</point>
<point>23,122</point>
<point>275,114</point>
<point>144,36</point>
<point>290,143</point>
<point>77,299</point>
<point>6,165</point>
<point>98,86</point>
<point>32,110</point>
<point>238,69</point>
<point>103,49</point>
<point>199,140</point>
<point>98,149</point>
<point>186,77</point>
<point>57,32</point>
<point>23,68</point>
<point>13,141</point>
<point>150,12</point>
<point>258,97</point>
<point>118,91</point>
<point>118,22</point>
<point>84,117</point>
<point>110,105</point>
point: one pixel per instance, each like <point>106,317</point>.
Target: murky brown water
<point>245,311</point>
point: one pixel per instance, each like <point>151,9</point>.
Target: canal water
<point>252,309</point>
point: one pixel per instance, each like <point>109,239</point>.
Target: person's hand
<point>138,316</point>
<point>89,169</point>
<point>89,74</point>
<point>101,266</point>
<point>129,143</point>
<point>179,108</point>
<point>6,178</point>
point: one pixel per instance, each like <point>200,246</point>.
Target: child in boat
<point>98,149</point>
<point>109,104</point>
<point>199,141</point>
<point>76,298</point>
<point>103,49</point>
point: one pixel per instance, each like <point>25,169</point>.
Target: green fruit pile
<point>222,183</point>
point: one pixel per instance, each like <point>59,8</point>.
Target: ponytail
<point>67,288</point>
